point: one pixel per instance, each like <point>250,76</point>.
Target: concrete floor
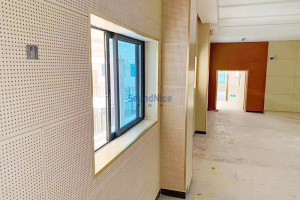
<point>229,105</point>
<point>256,156</point>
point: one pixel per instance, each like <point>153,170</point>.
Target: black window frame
<point>140,73</point>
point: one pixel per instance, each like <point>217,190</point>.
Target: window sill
<point>105,156</point>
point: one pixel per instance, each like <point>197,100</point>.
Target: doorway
<point>231,90</point>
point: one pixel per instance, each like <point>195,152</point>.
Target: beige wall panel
<point>282,67</point>
<point>192,40</point>
<point>283,49</point>
<point>298,55</point>
<point>151,71</point>
<point>202,76</point>
<point>279,102</point>
<point>152,187</point>
<point>39,92</point>
<point>175,21</point>
<point>173,64</point>
<point>297,86</point>
<point>134,175</point>
<point>172,177</point>
<point>53,94</point>
<point>280,85</point>
<point>175,60</point>
<point>283,76</point>
<point>172,133</point>
<point>192,66</point>
<point>173,158</point>
<point>69,172</point>
<point>148,13</point>
<point>173,113</point>
<point>296,103</point>
<point>190,118</point>
<point>190,130</point>
<point>298,67</point>
<point>21,167</point>
<point>68,158</point>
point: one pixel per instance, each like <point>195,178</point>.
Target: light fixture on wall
<point>243,39</point>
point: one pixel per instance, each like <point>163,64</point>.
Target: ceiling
<point>255,20</point>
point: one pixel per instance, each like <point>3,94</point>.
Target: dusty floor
<point>256,156</point>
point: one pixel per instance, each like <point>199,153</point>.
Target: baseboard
<point>255,111</point>
<point>200,132</point>
<point>158,195</point>
<point>173,193</point>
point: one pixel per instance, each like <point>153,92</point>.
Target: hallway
<point>255,156</point>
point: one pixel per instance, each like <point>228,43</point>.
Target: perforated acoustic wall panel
<point>37,92</point>
<point>21,167</point>
<point>46,137</point>
<point>143,15</point>
<point>68,159</point>
<point>175,48</point>
<point>126,170</point>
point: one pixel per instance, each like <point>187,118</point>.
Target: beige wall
<point>202,76</point>
<point>46,113</point>
<point>283,77</point>
<point>190,104</point>
<point>174,68</point>
<point>178,71</point>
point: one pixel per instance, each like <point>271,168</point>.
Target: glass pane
<point>127,82</point>
<point>99,98</point>
<point>112,85</point>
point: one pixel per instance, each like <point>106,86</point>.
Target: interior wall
<point>190,104</point>
<point>151,69</point>
<point>241,56</point>
<point>283,77</point>
<point>46,139</point>
<point>175,49</point>
<point>203,54</point>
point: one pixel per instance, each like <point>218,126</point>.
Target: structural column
<point>178,71</point>
<point>202,76</point>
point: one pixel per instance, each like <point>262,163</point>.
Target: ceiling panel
<point>238,2</point>
<point>257,33</point>
<point>255,20</point>
<point>260,10</point>
<point>294,19</point>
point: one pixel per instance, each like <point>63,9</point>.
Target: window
<point>222,76</point>
<point>118,88</point>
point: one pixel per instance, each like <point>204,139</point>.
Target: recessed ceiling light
<point>243,39</point>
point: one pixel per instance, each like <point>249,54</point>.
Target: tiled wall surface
<point>175,46</point>
<point>46,138</point>
<point>283,77</point>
